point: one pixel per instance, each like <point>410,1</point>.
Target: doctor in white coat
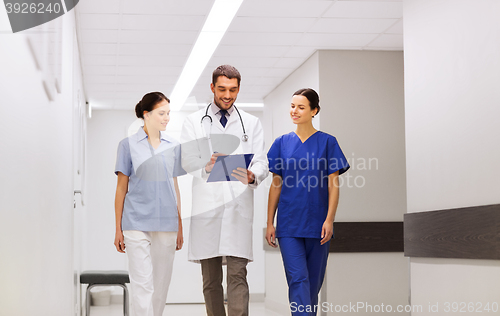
<point>222,213</point>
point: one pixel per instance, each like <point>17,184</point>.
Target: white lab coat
<point>220,224</point>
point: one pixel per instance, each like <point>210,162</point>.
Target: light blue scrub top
<point>304,168</point>
<point>151,202</point>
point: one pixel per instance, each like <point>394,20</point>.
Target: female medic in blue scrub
<point>305,164</point>
<point>147,205</point>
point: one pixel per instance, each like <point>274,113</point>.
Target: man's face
<point>225,92</point>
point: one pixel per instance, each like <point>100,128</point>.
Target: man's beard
<point>218,105</point>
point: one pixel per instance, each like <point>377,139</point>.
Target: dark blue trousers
<point>305,264</point>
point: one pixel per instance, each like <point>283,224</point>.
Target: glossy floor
<point>256,309</point>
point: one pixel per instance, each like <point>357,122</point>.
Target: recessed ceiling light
<point>218,20</point>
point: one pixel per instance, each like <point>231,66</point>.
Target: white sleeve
<point>194,153</point>
<point>259,165</point>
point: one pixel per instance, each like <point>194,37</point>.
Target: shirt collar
<point>215,109</point>
<point>141,135</point>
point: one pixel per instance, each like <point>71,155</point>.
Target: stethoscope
<point>244,138</point>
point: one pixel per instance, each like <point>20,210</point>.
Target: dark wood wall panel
<point>367,237</point>
<point>468,233</point>
<point>363,237</point>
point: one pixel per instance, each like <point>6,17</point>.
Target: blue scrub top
<point>304,168</point>
<point>151,202</point>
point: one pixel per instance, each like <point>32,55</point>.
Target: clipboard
<point>224,166</point>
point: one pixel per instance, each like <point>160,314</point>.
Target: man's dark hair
<point>226,71</point>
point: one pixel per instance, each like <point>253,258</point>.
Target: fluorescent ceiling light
<point>255,105</point>
<point>218,20</point>
<point>249,105</point>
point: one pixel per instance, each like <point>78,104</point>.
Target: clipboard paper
<point>224,166</point>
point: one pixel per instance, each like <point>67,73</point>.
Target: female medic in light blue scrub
<point>147,205</point>
<point>305,164</point>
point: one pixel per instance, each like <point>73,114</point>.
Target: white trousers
<point>150,261</point>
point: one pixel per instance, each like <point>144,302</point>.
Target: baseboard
<point>257,297</point>
<point>280,308</point>
<point>117,298</point>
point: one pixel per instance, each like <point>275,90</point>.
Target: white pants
<point>150,260</point>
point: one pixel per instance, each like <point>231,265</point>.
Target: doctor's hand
<point>244,175</point>
<point>326,232</point>
<point>210,165</point>
<point>271,236</point>
<point>119,243</point>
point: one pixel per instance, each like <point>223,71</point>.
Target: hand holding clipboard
<point>232,168</point>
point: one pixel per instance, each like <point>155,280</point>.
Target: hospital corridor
<point>249,157</point>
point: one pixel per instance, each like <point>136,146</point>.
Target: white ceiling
<point>132,47</point>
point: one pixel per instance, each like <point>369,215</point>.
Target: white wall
<point>36,186</point>
<point>276,296</point>
<point>256,269</point>
<point>362,99</point>
<point>362,104</point>
<point>104,131</point>
<point>452,73</point>
<point>276,122</point>
<point>452,77</point>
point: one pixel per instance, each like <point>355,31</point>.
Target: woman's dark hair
<point>148,103</point>
<point>312,96</point>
